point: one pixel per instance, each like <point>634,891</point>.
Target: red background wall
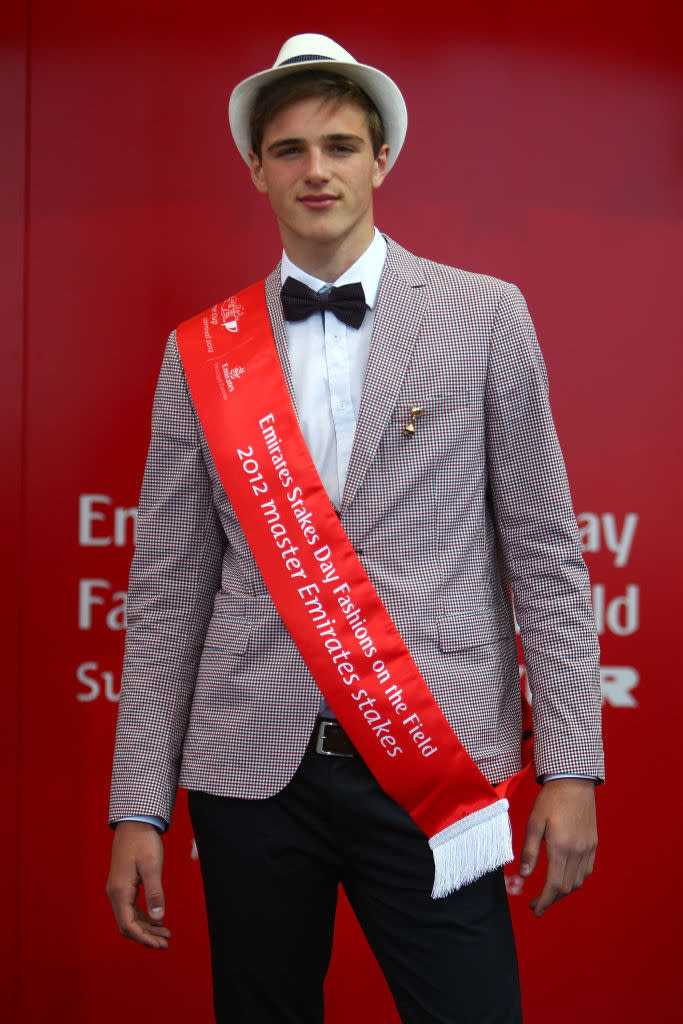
<point>543,148</point>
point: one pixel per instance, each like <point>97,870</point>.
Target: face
<point>319,172</point>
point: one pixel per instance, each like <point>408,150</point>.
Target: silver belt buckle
<point>320,739</point>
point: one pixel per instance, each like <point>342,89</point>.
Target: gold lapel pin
<point>415,412</point>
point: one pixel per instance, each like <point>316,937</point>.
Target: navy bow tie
<point>346,302</point>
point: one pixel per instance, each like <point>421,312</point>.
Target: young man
<point>263,671</point>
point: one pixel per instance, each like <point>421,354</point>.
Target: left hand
<point>564,815</point>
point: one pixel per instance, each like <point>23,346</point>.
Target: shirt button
<point>341,405</point>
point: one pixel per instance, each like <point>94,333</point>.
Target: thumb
<point>154,893</point>
<point>532,848</point>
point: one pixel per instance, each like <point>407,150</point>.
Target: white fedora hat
<point>303,52</point>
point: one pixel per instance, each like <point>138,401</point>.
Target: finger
<point>144,931</point>
<point>136,926</point>
<point>553,882</point>
<point>531,848</point>
<point>151,926</point>
<point>122,894</point>
<point>574,873</point>
<point>145,935</point>
<point>579,866</point>
<point>576,870</point>
<point>584,868</point>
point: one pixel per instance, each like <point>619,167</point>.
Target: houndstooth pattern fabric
<point>447,523</point>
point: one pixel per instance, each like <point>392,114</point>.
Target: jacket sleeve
<point>539,542</point>
<point>174,577</point>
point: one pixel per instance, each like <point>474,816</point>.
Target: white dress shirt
<point>328,362</point>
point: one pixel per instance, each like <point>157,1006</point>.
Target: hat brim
<point>383,92</point>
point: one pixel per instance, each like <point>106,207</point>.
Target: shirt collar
<point>367,269</point>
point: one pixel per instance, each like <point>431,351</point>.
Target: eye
<point>285,150</point>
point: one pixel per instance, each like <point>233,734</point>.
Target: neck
<point>324,261</point>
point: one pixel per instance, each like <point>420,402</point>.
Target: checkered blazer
<point>216,697</point>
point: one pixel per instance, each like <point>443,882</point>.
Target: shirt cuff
<point>151,819</point>
<point>566,775</point>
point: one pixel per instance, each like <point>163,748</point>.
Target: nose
<point>317,169</point>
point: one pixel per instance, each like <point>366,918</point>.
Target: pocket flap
<point>472,628</point>
<point>229,632</point>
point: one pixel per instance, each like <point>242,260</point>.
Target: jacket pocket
<point>473,628</point>
<point>228,633</point>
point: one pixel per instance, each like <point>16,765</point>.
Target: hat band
<point>303,57</point>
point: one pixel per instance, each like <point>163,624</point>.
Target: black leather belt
<point>330,739</point>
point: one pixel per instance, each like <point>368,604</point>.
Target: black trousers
<point>271,870</point>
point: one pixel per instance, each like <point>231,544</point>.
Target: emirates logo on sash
<point>231,311</point>
<point>231,374</point>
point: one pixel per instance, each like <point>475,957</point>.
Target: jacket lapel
<point>272,287</point>
<point>401,305</point>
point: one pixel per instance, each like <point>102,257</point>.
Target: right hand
<point>137,858</point>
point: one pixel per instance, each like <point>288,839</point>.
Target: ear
<point>256,169</point>
<point>379,171</point>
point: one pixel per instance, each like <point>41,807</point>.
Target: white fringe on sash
<point>466,850</point>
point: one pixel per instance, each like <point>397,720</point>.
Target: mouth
<point>318,201</point>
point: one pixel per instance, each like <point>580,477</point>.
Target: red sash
<point>326,600</point>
